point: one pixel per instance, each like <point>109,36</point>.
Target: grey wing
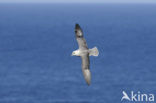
<point>85,68</point>
<point>79,37</point>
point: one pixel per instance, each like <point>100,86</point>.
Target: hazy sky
<point>83,1</point>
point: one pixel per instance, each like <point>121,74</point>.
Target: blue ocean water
<point>36,42</point>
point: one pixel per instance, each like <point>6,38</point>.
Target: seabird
<point>84,53</point>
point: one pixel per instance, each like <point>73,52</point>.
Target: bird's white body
<point>79,52</point>
<point>92,52</point>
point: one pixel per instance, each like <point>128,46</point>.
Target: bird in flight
<point>84,53</point>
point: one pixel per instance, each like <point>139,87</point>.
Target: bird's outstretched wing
<point>79,37</point>
<point>85,67</point>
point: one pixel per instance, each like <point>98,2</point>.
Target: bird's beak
<point>72,54</point>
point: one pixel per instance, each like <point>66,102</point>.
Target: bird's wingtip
<point>88,83</point>
<point>77,26</point>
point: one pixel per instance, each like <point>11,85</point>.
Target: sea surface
<point>36,42</point>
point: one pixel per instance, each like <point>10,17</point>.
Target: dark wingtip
<point>88,84</point>
<point>78,31</point>
<point>77,26</point>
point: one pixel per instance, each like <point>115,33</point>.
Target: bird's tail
<point>93,52</point>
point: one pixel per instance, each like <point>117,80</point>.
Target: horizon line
<point>80,2</point>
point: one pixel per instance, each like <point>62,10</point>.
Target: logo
<point>137,96</point>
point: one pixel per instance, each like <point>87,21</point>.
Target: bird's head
<point>75,53</point>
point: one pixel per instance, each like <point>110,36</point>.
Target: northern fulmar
<point>84,53</point>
